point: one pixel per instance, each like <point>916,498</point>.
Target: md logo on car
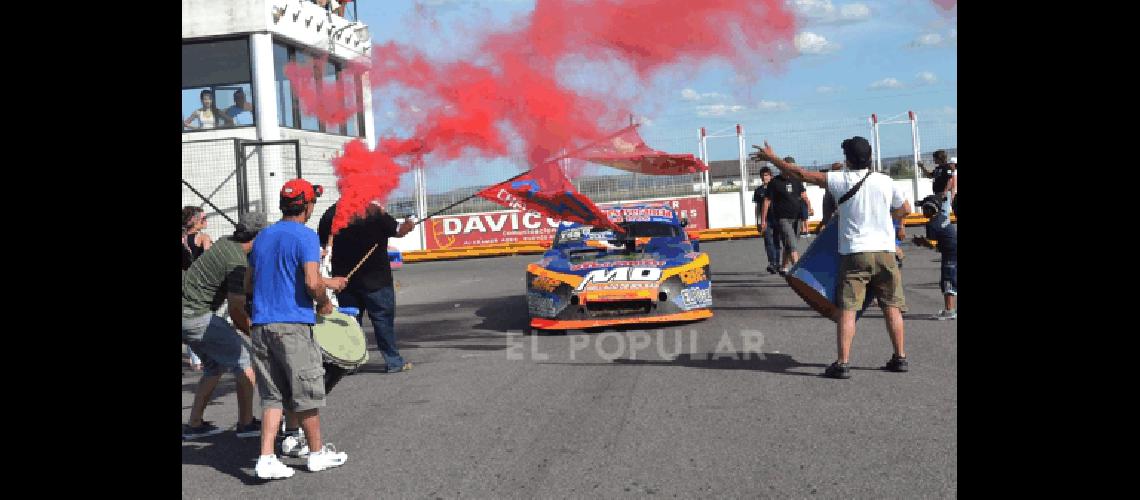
<point>620,274</point>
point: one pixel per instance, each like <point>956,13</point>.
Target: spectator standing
<point>782,202</point>
<point>771,244</point>
<point>939,229</point>
<point>868,201</point>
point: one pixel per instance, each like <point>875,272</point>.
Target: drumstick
<point>358,264</point>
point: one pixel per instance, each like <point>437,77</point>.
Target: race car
<point>595,277</point>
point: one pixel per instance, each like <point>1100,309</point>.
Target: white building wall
<point>207,18</point>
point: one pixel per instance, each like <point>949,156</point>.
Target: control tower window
<point>330,74</point>
<point>216,90</point>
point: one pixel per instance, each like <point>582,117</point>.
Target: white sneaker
<point>295,445</point>
<point>272,468</point>
<point>328,457</point>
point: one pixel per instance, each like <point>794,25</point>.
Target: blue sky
<point>855,58</point>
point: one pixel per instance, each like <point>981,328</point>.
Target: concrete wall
<point>302,22</point>
<point>205,18</point>
<point>724,208</point>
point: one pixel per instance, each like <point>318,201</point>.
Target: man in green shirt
<point>218,276</point>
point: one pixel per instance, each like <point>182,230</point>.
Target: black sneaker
<point>772,270</point>
<point>896,364</point>
<point>252,429</point>
<point>837,370</point>
<point>202,430</point>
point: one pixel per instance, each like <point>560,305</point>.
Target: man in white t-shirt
<point>866,245</point>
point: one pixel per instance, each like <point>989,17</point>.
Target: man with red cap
<point>285,281</point>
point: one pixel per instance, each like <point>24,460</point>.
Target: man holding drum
<point>867,204</point>
<point>285,280</point>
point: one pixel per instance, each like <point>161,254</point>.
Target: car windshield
<point>583,234</point>
<point>650,229</point>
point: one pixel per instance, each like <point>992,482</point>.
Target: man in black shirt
<point>771,244</point>
<point>370,288</point>
<point>782,203</point>
<point>945,179</point>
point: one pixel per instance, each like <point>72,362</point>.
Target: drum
<point>815,277</point>
<point>342,343</point>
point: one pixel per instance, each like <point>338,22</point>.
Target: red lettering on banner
<point>490,228</point>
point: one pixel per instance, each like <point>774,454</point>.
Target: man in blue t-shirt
<point>945,234</point>
<point>285,280</point>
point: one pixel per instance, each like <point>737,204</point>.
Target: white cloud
<point>887,83</point>
<point>772,106</point>
<point>854,12</point>
<point>718,109</point>
<point>827,89</point>
<point>824,12</point>
<point>811,43</point>
<point>950,110</point>
<point>935,39</point>
<point>926,78</point>
<point>693,95</point>
<point>645,121</point>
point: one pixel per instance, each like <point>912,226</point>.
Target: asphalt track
<point>491,413</point>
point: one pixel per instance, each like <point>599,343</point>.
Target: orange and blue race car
<point>595,277</point>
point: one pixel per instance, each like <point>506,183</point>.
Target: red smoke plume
<point>946,4</point>
<point>513,91</point>
<point>328,101</point>
<point>364,176</point>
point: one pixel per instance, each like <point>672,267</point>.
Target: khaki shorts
<point>876,271</point>
<point>288,362</point>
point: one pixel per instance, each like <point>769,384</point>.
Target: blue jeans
<point>772,247</point>
<point>381,307</point>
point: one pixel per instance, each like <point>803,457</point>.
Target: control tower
<point>243,132</point>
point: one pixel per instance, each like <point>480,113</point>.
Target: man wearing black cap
<point>285,280</point>
<point>867,204</point>
<point>216,276</point>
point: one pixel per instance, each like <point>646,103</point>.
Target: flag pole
<point>453,205</point>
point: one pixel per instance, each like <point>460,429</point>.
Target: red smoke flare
<point>364,176</point>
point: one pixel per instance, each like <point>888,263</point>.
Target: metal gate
<point>224,176</point>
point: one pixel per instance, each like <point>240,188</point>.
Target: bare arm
<point>236,304</point>
<point>804,196</point>
<point>764,211</point>
<point>315,284</point>
<point>205,241</point>
<point>766,154</point>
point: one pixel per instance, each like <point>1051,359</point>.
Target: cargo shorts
<point>289,366</point>
<point>874,271</point>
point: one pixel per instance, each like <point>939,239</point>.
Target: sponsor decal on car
<point>545,283</point>
<point>617,263</point>
<point>694,275</point>
<point>651,274</point>
<point>540,304</point>
<point>696,297</point>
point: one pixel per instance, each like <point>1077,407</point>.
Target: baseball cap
<point>299,192</point>
<point>248,225</point>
